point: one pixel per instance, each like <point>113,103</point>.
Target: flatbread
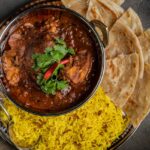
<point>105,11</point>
<point>132,20</point>
<point>119,2</point>
<point>138,105</point>
<point>145,44</point>
<point>122,40</point>
<point>79,6</point>
<point>120,78</point>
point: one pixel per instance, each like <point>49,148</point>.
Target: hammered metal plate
<point>129,130</point>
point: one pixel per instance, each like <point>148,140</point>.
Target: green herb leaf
<point>48,50</point>
<point>71,51</point>
<point>62,85</point>
<point>51,55</point>
<point>43,61</point>
<point>39,78</point>
<point>60,41</point>
<point>60,66</point>
<point>50,87</point>
<point>61,49</point>
<point>57,56</point>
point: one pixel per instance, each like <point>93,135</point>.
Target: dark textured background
<point>141,139</point>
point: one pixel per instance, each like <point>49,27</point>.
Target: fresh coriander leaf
<point>48,49</point>
<point>35,56</point>
<point>60,66</point>
<point>39,78</point>
<point>62,85</point>
<point>52,55</point>
<point>35,67</point>
<point>57,56</point>
<point>60,41</point>
<point>48,90</point>
<point>42,62</point>
<point>61,49</point>
<point>71,51</point>
<point>50,87</point>
<point>43,70</point>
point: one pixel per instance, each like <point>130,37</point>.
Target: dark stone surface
<point>141,139</point>
<point>8,6</point>
<point>142,7</point>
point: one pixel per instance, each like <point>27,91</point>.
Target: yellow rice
<point>94,126</point>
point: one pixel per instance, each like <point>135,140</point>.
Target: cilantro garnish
<point>49,64</point>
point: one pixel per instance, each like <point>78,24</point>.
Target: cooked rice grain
<point>94,126</point>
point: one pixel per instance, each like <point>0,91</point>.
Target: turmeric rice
<point>94,126</point>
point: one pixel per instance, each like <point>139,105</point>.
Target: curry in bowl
<point>51,61</point>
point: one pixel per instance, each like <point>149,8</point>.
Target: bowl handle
<point>104,30</point>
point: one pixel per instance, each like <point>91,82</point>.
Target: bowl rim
<point>100,45</point>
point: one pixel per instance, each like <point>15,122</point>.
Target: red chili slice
<point>65,61</point>
<point>50,71</point>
